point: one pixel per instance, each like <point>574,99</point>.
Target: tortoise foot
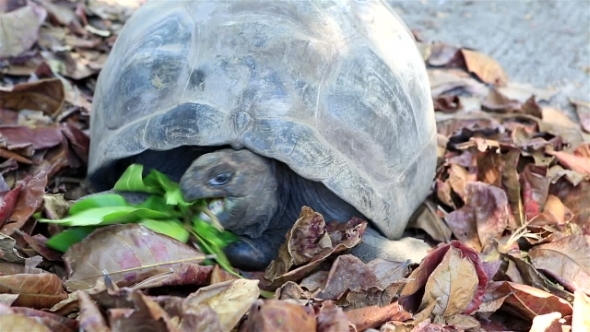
<point>250,254</point>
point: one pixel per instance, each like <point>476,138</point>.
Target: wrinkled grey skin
<point>332,94</point>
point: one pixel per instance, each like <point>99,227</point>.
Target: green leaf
<point>212,234</point>
<point>158,203</point>
<point>64,240</point>
<point>171,189</point>
<point>172,228</point>
<point>98,200</point>
<point>109,215</point>
<point>132,180</point>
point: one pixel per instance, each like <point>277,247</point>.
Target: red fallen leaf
<point>578,161</point>
<point>535,188</point>
<point>22,136</point>
<point>484,67</point>
<point>79,142</point>
<point>273,315</point>
<point>45,95</point>
<point>526,301</point>
<point>184,274</point>
<point>483,218</point>
<point>410,295</point>
<point>566,260</point>
<point>29,201</point>
<point>7,202</point>
<point>8,116</point>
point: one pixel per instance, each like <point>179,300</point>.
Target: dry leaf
<point>45,95</point>
<point>583,110</point>
<point>41,290</point>
<point>20,29</point>
<point>272,315</point>
<point>580,317</point>
<point>567,260</point>
<point>127,253</point>
<point>486,68</point>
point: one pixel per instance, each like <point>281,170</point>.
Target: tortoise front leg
<point>255,254</point>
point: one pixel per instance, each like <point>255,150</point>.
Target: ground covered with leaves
<point>508,216</point>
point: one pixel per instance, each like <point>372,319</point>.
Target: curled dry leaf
<point>230,300</point>
<point>314,238</point>
<point>41,290</point>
<point>45,95</point>
<point>273,315</point>
<point>547,322</point>
<point>375,316</point>
<point>583,110</point>
<point>331,318</point>
<point>567,260</point>
<point>450,288</point>
<point>91,319</point>
<point>576,198</point>
<point>29,201</point>
<point>525,301</point>
<point>578,161</point>
<point>483,218</point>
<point>486,68</point>
<point>337,284</point>
<point>410,297</point>
<point>53,321</point>
<point>20,29</point>
<point>128,253</point>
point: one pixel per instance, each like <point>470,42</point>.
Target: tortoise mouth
<point>217,206</point>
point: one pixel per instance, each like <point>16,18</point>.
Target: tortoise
<point>263,107</point>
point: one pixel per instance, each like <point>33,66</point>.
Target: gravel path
<point>545,43</point>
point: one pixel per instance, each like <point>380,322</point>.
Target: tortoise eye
<point>220,179</point>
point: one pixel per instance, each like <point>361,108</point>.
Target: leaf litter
<point>509,213</point>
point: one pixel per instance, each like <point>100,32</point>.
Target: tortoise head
<point>240,188</point>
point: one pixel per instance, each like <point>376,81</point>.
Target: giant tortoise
<point>263,107</point>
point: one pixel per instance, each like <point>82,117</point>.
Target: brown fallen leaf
<point>347,265</point>
<point>576,198</point>
<point>313,237</point>
<point>580,318</point>
<point>45,95</point>
<point>447,104</point>
<point>583,110</point>
<point>566,260</point>
<point>146,314</point>
<point>411,293</point>
<point>444,55</point>
<point>128,253</point>
<point>15,137</point>
<point>578,161</point>
<point>548,322</point>
<point>41,290</point>
<point>183,274</point>
<point>91,319</point>
<point>374,316</point>
<point>483,218</point>
<point>230,300</point>
<point>526,301</point>
<point>426,218</point>
<point>497,102</point>
<point>272,315</point>
<point>53,321</point>
<point>20,28</point>
<point>331,318</point>
<point>29,201</point>
<point>16,322</point>
<point>8,201</point>
<point>450,288</point>
<point>487,69</point>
